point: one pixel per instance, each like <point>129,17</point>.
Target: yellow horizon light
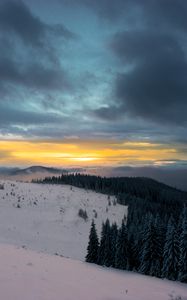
<point>104,152</point>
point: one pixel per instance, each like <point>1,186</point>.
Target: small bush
<point>172,296</point>
<point>114,202</point>
<point>95,213</point>
<point>2,187</point>
<point>83,214</point>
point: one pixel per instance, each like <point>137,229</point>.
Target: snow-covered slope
<point>45,217</point>
<point>34,276</point>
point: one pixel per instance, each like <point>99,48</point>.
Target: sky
<point>93,83</point>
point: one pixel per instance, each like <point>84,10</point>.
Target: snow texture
<point>45,217</point>
<point>37,276</point>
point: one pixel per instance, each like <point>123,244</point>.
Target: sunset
<point>93,149</point>
<point>71,153</point>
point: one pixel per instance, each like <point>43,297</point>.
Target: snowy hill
<point>38,221</point>
<point>45,217</point>
<point>35,276</point>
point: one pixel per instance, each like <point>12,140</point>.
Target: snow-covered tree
<point>114,233</point>
<point>93,245</point>
<point>105,249</point>
<point>121,259</point>
<point>182,276</point>
<point>171,252</point>
<point>151,255</point>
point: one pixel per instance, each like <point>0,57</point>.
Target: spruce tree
<point>93,245</point>
<point>151,254</point>
<point>121,258</point>
<point>101,249</point>
<point>105,249</point>
<point>182,276</point>
<point>114,233</point>
<point>171,252</point>
<point>132,257</point>
<point>157,247</point>
<point>107,260</point>
<point>145,255</point>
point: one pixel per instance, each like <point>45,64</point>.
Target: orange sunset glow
<point>84,153</point>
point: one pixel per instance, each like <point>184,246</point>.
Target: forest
<point>153,240</point>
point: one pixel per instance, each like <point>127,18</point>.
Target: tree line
<point>162,252</point>
<point>153,208</point>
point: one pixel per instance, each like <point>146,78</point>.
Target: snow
<point>37,276</point>
<point>47,223</point>
<point>48,220</point>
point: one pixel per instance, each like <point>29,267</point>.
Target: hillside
<point>45,217</point>
<point>43,240</point>
<point>141,187</point>
<point>29,275</point>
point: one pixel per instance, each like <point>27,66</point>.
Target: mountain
<point>32,172</point>
<point>36,169</point>
<point>46,217</point>
<point>29,170</point>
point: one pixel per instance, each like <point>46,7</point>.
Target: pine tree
<point>183,248</point>
<point>114,233</point>
<point>157,247</point>
<point>171,252</point>
<point>101,246</point>
<point>145,255</point>
<point>132,255</point>
<point>121,258</point>
<point>151,255</point>
<point>105,249</point>
<point>107,259</point>
<point>93,245</point>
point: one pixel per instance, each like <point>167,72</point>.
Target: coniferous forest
<point>153,240</point>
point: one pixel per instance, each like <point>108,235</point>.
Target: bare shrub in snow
<point>95,213</point>
<point>172,296</point>
<point>83,214</point>
<point>2,187</point>
<point>114,202</point>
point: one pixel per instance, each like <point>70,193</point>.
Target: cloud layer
<point>100,70</point>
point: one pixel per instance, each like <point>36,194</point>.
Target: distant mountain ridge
<point>29,170</point>
<point>36,169</point>
<point>13,171</point>
<point>33,172</point>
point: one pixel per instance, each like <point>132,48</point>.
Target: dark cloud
<point>144,46</point>
<point>34,75</point>
<point>107,113</point>
<point>28,58</point>
<point>156,90</point>
<point>15,116</point>
<point>108,9</point>
<point>161,13</point>
<point>167,14</point>
<point>153,82</point>
<point>17,18</point>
